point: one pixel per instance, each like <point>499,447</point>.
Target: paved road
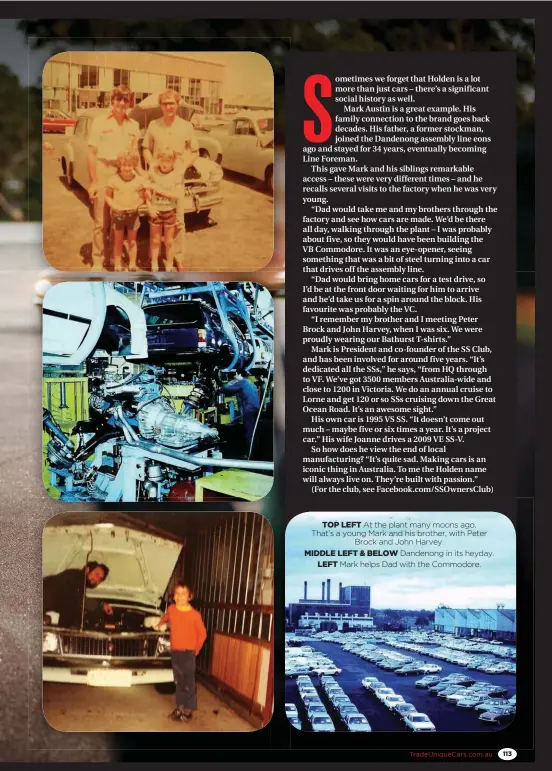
<point>243,238</point>
<point>446,717</point>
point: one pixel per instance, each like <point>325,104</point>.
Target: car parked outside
<point>358,723</point>
<point>56,121</point>
<point>322,723</point>
<point>418,722</point>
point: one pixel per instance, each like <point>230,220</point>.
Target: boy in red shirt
<point>188,634</point>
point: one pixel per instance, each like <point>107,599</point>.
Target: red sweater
<point>188,631</point>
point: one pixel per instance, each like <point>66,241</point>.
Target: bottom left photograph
<point>158,621</point>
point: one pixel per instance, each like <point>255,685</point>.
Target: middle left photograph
<point>157,392</point>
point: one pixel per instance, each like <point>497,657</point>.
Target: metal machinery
<point>134,407</point>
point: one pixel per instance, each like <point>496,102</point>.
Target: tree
<point>19,149</point>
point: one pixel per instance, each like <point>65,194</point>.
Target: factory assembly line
<point>157,391</point>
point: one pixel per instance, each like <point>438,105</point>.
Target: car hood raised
<point>140,564</point>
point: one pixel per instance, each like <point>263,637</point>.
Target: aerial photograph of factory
<point>159,392</point>
<point>376,645</point>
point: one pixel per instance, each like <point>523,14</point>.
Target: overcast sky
<point>407,588</point>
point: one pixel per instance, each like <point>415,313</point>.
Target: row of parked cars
<point>305,660</point>
<point>467,693</point>
<point>485,657</point>
<point>317,714</point>
<point>348,712</point>
<point>407,712</point>
<point>395,662</point>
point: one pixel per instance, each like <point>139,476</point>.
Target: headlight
<point>163,646</point>
<point>50,642</point>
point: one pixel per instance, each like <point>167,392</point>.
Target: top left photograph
<point>158,161</point>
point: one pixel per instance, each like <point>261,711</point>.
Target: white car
<point>141,565</point>
<point>381,692</point>
<point>368,681</point>
<point>322,723</point>
<point>247,143</point>
<point>392,700</point>
<point>357,723</point>
<point>291,710</point>
<point>202,193</point>
<point>418,721</point>
<point>326,670</point>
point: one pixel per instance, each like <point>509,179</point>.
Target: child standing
<point>165,185</point>
<point>124,194</point>
<point>188,634</point>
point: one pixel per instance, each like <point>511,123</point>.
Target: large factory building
<point>352,603</point>
<point>493,624</point>
<point>77,80</point>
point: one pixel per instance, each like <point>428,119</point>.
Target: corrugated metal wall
<point>230,565</point>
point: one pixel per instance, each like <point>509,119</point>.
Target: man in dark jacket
<point>248,399</point>
<point>64,593</point>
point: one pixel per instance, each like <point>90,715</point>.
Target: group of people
<point>120,185</point>
<point>68,599</point>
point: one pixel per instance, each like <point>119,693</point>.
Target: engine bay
<point>125,427</point>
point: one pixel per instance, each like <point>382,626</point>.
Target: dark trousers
<point>184,666</point>
<point>249,420</point>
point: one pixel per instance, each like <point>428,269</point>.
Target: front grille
<point>135,647</point>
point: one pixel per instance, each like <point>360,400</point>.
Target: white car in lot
<point>322,724</point>
<point>392,700</point>
<point>368,681</point>
<point>381,692</point>
<point>291,710</point>
<point>357,723</point>
<point>418,722</point>
<point>326,670</point>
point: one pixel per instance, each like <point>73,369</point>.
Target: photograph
<point>158,392</point>
<point>418,635</point>
<point>158,622</point>
<point>161,161</point>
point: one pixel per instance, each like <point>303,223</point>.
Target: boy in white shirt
<point>125,193</point>
<point>165,190</point>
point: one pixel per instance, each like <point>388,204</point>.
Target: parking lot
<point>242,238</point>
<point>445,716</point>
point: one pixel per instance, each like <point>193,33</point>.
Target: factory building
<point>493,624</point>
<point>351,601</point>
<point>336,622</point>
<point>76,80</point>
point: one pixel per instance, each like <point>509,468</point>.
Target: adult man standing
<point>64,593</point>
<point>174,133</point>
<point>110,136</point>
<point>248,399</point>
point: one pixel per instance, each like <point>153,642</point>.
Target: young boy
<point>124,194</point>
<point>188,634</point>
<point>165,186</point>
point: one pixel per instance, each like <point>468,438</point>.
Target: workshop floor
<point>140,708</point>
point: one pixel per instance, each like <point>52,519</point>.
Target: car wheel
<point>269,179</point>
<point>203,153</point>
